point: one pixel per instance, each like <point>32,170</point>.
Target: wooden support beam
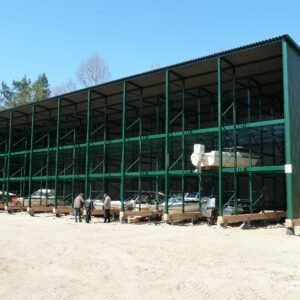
<point>63,210</point>
<point>251,217</point>
<point>142,213</point>
<point>176,217</point>
<point>100,212</point>
<point>15,208</point>
<point>41,209</point>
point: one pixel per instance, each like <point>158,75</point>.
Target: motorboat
<point>191,203</point>
<point>45,197</point>
<point>147,200</point>
<point>241,158</point>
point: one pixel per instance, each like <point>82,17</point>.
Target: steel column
<point>167,162</point>
<point>57,149</point>
<point>183,145</point>
<point>11,115</point>
<point>104,166</point>
<point>31,153</point>
<point>87,148</point>
<point>288,156</point>
<point>122,188</point>
<point>220,136</point>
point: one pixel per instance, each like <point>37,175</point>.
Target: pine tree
<point>41,88</point>
<point>22,91</point>
<point>6,94</point>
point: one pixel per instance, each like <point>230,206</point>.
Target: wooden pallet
<point>251,217</point>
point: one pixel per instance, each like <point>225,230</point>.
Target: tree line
<point>92,71</point>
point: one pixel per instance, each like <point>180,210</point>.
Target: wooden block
<point>290,223</point>
<point>251,217</point>
<point>1,207</point>
<point>133,220</point>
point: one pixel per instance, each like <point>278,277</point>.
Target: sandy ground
<point>44,257</point>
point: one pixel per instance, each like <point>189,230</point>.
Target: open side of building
<point>138,133</point>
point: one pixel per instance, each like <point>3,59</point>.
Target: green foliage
<point>6,94</point>
<point>24,91</point>
<point>41,88</point>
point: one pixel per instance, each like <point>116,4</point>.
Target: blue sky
<point>131,36</point>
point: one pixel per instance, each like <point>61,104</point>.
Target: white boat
<point>147,200</point>
<point>191,203</point>
<point>200,159</point>
<point>43,197</point>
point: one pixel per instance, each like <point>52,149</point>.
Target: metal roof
<point>270,48</point>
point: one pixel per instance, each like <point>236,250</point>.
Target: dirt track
<point>44,257</point>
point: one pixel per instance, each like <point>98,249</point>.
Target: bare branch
<point>68,87</point>
<point>93,71</point>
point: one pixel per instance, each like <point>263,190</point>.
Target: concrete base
<point>29,209</point>
<point>6,207</point>
<point>290,231</point>
<point>166,217</point>
<point>122,215</point>
<point>246,225</point>
<point>292,223</point>
<point>55,211</point>
<point>222,226</point>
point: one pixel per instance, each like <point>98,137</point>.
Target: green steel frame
<point>139,139</point>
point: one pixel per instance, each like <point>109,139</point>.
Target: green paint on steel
<point>87,148</point>
<point>57,149</point>
<point>32,133</point>
<point>235,180</point>
<point>167,159</point>
<point>292,56</point>
<point>156,136</point>
<point>220,135</point>
<point>288,158</point>
<point>11,115</point>
<point>183,145</point>
<point>104,167</point>
<point>122,187</point>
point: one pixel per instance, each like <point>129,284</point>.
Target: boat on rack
<point>241,158</point>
